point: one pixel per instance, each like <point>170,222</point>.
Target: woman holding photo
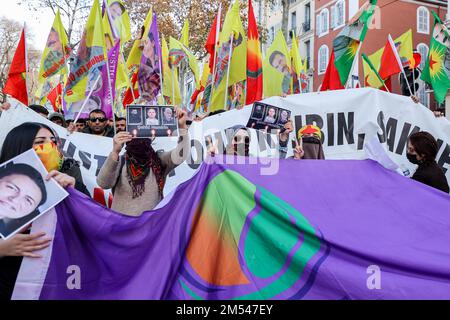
<point>138,177</point>
<point>66,173</point>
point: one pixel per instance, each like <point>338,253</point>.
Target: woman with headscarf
<point>238,146</point>
<point>422,151</point>
<point>138,177</point>
<point>308,144</point>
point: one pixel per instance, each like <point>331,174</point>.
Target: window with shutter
<point>318,25</point>
<point>333,14</point>
<point>423,20</point>
<point>323,59</point>
<point>423,50</point>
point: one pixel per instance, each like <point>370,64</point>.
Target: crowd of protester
<point>137,176</point>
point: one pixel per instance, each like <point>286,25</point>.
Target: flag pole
<point>87,99</point>
<point>216,47</point>
<point>173,86</point>
<point>26,59</point>
<point>228,72</point>
<point>365,58</point>
<point>353,64</point>
<point>397,57</point>
<point>110,91</point>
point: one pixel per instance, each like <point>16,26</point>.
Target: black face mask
<point>311,140</point>
<point>412,158</point>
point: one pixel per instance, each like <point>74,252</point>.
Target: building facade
<point>391,17</point>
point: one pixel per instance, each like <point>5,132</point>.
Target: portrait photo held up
<point>25,193</point>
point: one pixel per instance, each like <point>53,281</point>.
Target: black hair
<point>39,109</point>
<point>97,111</point>
<point>82,121</point>
<point>120,118</point>
<point>425,145</point>
<point>30,172</point>
<point>272,56</point>
<point>33,174</point>
<point>21,139</point>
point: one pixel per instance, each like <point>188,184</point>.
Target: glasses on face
<point>94,120</point>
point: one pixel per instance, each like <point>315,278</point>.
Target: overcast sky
<point>38,24</point>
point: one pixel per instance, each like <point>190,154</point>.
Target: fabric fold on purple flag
<point>315,230</point>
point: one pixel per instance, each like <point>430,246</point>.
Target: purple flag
<point>316,230</point>
<point>107,102</point>
<point>149,76</point>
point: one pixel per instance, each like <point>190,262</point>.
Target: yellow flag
<point>170,76</point>
<point>122,80</point>
<point>405,50</point>
<point>91,57</point>
<point>185,34</point>
<point>277,68</point>
<point>119,20</point>
<point>232,33</point>
<point>134,58</point>
<point>56,52</point>
<point>297,63</point>
<point>179,52</point>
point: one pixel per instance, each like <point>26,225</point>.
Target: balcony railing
<point>306,26</point>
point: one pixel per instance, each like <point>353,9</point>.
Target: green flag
<point>345,45</point>
<point>437,67</point>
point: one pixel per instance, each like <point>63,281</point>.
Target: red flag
<point>417,59</point>
<point>16,85</point>
<point>210,45</point>
<point>390,61</point>
<point>331,79</point>
<point>254,60</point>
<point>55,97</point>
<point>196,94</point>
<point>128,98</point>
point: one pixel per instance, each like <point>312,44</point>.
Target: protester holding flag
<point>138,177</point>
<point>422,150</point>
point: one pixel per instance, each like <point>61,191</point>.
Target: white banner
<point>348,118</point>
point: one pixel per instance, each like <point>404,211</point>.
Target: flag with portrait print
<point>230,69</point>
<point>277,68</point>
<point>85,71</point>
<point>56,53</point>
<point>150,73</point>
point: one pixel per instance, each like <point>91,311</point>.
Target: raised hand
<point>298,151</point>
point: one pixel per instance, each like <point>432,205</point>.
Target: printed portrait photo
<point>151,117</point>
<point>24,193</point>
<point>134,116</point>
